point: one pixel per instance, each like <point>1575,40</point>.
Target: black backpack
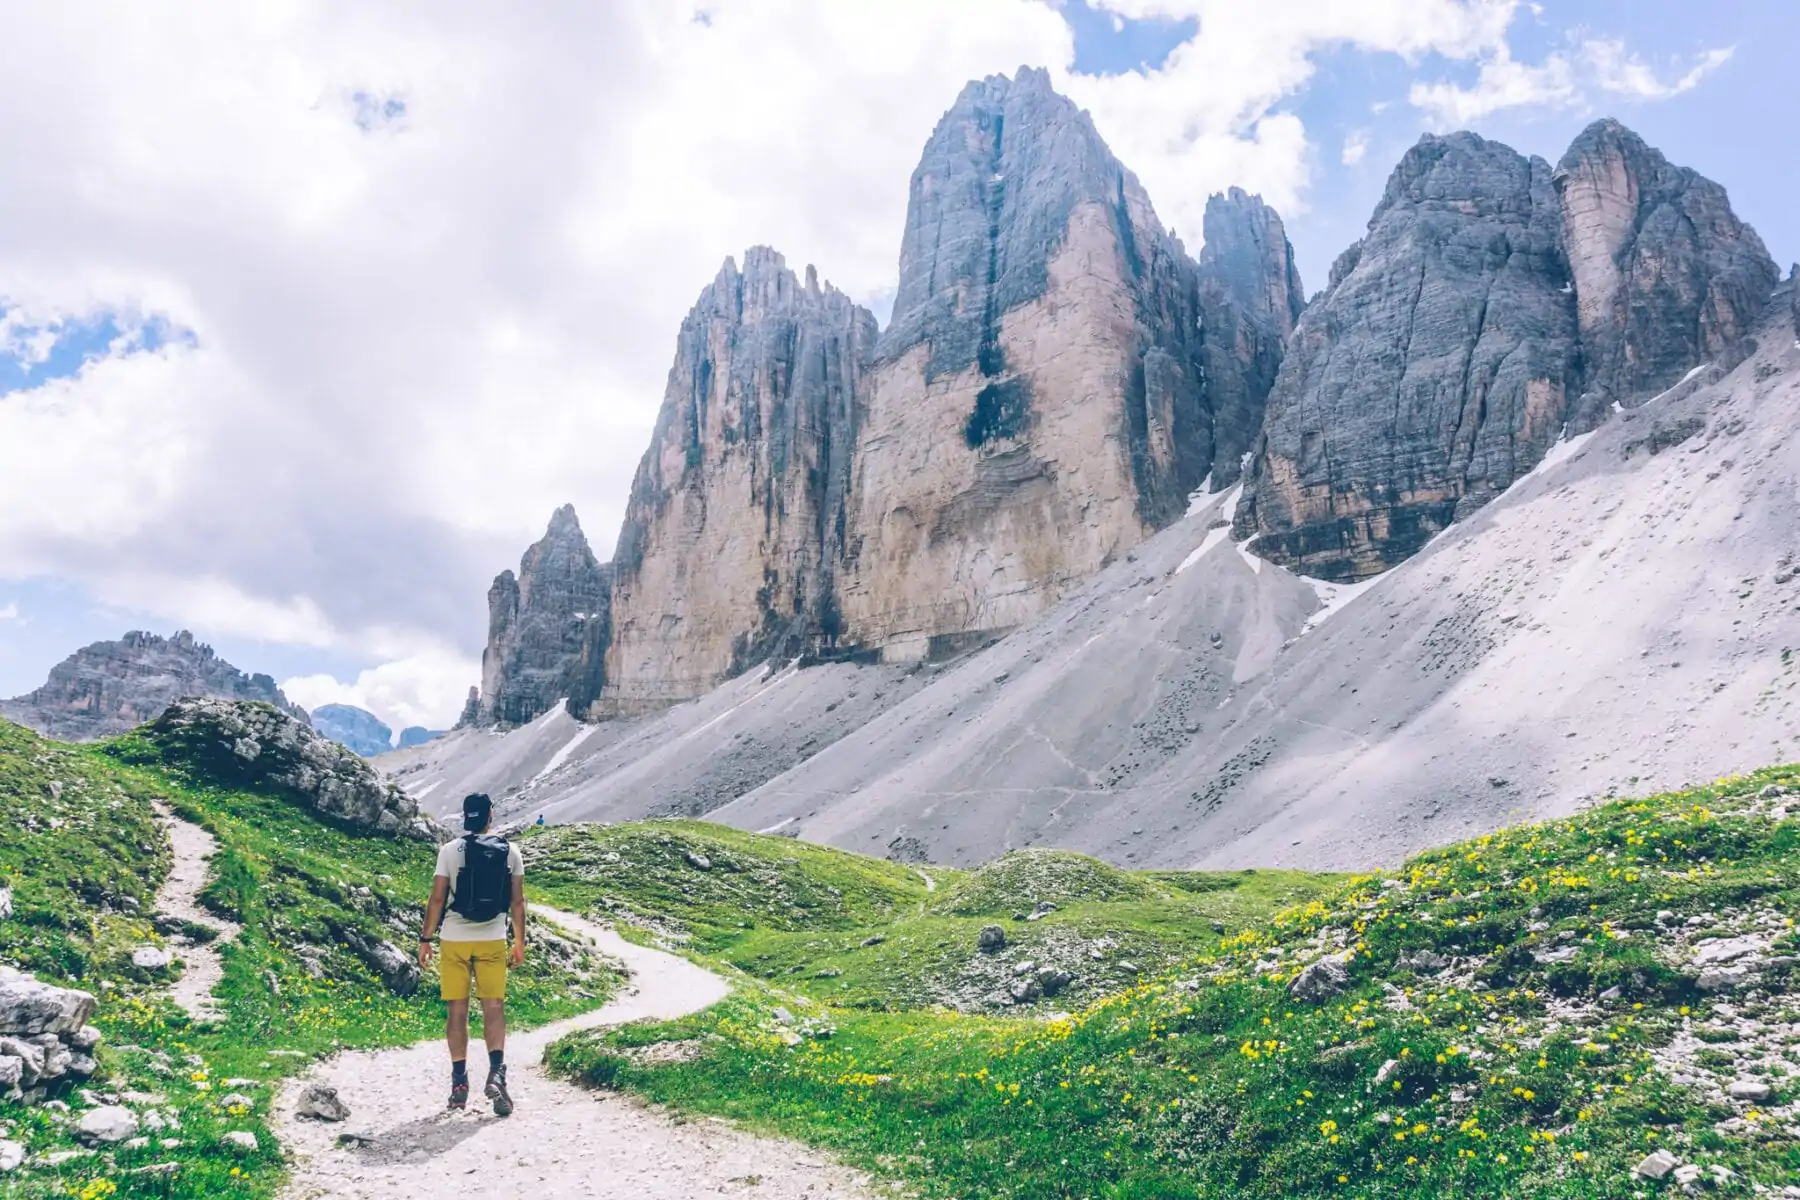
<point>484,885</point>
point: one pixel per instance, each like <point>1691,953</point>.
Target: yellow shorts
<point>485,960</point>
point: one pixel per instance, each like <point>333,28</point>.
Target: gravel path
<point>561,1140</point>
<point>202,967</point>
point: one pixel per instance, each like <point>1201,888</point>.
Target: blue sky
<point>427,266</point>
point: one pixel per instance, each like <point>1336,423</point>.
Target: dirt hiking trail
<point>179,896</point>
<point>561,1140</point>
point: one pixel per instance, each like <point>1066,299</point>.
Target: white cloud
<point>1356,145</point>
<point>1595,67</point>
<point>434,259</point>
<point>1210,116</point>
<point>10,612</point>
<point>422,689</point>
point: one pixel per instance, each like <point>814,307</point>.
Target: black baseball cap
<point>477,808</point>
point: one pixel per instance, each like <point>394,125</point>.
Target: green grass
<point>866,933</point>
<point>85,872</point>
<point>1510,1068</point>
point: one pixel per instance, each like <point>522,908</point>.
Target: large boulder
<point>257,746</point>
<point>29,1008</point>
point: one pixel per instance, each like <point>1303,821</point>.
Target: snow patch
<point>426,790</point>
<point>1227,510</point>
<point>1566,447</point>
<point>1684,379</point>
<point>562,753</point>
<point>1333,597</point>
<point>1201,496</point>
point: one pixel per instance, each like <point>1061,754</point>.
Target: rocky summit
<point>734,530</point>
<point>1493,303</point>
<point>1045,396</point>
<point>548,628</point>
<point>107,688</point>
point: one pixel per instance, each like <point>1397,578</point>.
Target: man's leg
<point>490,987</point>
<point>493,1028</point>
<point>456,1029</point>
<point>453,975</point>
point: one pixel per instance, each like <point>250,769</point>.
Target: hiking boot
<point>459,1096</point>
<point>496,1091</point>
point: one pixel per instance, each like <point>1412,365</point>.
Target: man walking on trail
<point>482,877</point>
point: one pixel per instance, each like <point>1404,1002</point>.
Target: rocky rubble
<point>46,1043</point>
<point>108,688</point>
<point>257,745</point>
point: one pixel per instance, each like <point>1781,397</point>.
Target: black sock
<point>496,1059</point>
<point>459,1071</point>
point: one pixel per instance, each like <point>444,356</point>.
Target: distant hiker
<point>482,876</point>
<point>540,819</point>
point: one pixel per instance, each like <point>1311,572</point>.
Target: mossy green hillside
<point>1525,1014</point>
<point>868,933</point>
<point>84,876</point>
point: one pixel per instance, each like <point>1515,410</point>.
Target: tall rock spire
<point>1040,402</point>
<point>547,629</point>
<point>734,530</point>
<point>1665,274</point>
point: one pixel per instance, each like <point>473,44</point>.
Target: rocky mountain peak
<point>356,729</point>
<point>1047,393</point>
<point>107,688</point>
<point>1493,303</point>
<point>1665,273</point>
<point>1250,298</point>
<point>1248,253</point>
<point>547,628</point>
<point>734,529</point>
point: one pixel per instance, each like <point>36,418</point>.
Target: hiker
<point>540,819</point>
<point>482,876</point>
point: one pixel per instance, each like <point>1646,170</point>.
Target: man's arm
<point>440,888</point>
<point>518,920</point>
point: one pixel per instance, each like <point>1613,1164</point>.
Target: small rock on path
<point>562,1140</point>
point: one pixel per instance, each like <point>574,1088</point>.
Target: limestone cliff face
<point>734,530</point>
<point>1492,303</point>
<point>1040,401</point>
<point>110,687</point>
<point>1665,274</point>
<point>547,630</point>
<point>1250,299</point>
<point>1430,375</point>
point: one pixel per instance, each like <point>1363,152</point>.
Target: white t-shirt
<point>455,927</point>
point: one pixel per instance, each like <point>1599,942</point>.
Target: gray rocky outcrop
<point>548,628</point>
<point>107,688</point>
<point>1432,373</point>
<point>1493,303</point>
<point>734,530</point>
<point>45,1040</point>
<point>1045,395</point>
<point>1665,275</point>
<point>257,746</point>
<point>354,728</point>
